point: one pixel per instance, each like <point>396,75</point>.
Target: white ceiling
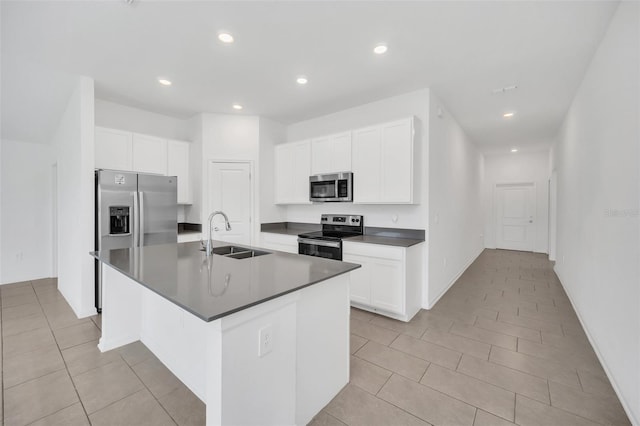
<point>462,50</point>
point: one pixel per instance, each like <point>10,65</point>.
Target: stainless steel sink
<point>236,252</point>
<point>225,250</point>
<point>247,254</point>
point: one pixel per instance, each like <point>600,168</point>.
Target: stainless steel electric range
<point>328,242</point>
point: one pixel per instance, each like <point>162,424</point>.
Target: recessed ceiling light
<point>164,81</point>
<point>380,49</point>
<point>508,114</point>
<point>514,149</point>
<point>237,107</point>
<point>302,80</point>
<point>225,37</point>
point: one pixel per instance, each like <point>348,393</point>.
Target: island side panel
<point>259,365</point>
<point>323,313</point>
<point>121,298</point>
<point>177,338</point>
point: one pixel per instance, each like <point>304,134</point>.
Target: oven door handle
<point>319,242</point>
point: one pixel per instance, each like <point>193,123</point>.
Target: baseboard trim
<point>607,371</point>
<point>454,279</point>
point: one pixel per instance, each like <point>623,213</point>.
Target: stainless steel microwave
<point>331,187</point>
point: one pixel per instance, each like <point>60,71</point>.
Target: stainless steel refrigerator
<point>133,210</point>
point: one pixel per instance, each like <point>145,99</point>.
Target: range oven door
<point>320,248</point>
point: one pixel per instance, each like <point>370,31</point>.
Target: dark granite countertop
<point>211,288</point>
<point>289,228</point>
<point>385,236</point>
<point>387,241</point>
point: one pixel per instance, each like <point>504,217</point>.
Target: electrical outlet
<point>265,339</point>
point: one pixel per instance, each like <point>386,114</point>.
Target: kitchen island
<point>261,340</point>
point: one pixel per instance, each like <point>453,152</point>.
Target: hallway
<point>503,345</point>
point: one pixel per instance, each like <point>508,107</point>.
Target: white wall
<point>228,137</point>
<point>597,161</point>
<point>455,201</point>
<point>74,145</point>
<point>194,211</point>
<point>270,134</point>
<point>519,167</point>
<point>26,211</point>
<point>117,116</point>
<point>410,104</point>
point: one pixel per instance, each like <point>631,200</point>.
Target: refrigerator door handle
<point>141,238</point>
<point>136,220</point>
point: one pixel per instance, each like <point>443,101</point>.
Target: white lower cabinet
<point>389,281</point>
<point>189,237</point>
<point>280,242</point>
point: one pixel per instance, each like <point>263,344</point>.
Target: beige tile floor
<point>53,373</point>
<point>503,346</point>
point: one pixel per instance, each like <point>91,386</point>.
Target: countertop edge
<point>352,267</point>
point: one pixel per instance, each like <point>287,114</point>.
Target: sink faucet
<point>227,226</point>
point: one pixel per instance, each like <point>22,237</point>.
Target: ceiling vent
<point>504,90</point>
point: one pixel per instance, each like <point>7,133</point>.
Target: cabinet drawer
<point>373,250</point>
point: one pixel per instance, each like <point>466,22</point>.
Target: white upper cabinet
<point>331,154</point>
<point>293,167</point>
<point>133,152</point>
<point>178,165</point>
<point>397,162</point>
<point>367,164</point>
<point>383,163</point>
<point>149,154</point>
<point>380,157</point>
<point>113,149</point>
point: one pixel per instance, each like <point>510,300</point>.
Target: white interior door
<point>515,210</point>
<point>230,191</point>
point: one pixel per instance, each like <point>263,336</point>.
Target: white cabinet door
<point>331,154</point>
<point>284,173</point>
<point>366,162</point>
<point>149,154</point>
<point>321,155</point>
<point>360,288</point>
<point>178,165</point>
<point>342,152</point>
<point>293,167</point>
<point>382,158</point>
<point>397,162</point>
<point>387,287</point>
<point>302,170</point>
<point>380,284</point>
<point>113,149</point>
